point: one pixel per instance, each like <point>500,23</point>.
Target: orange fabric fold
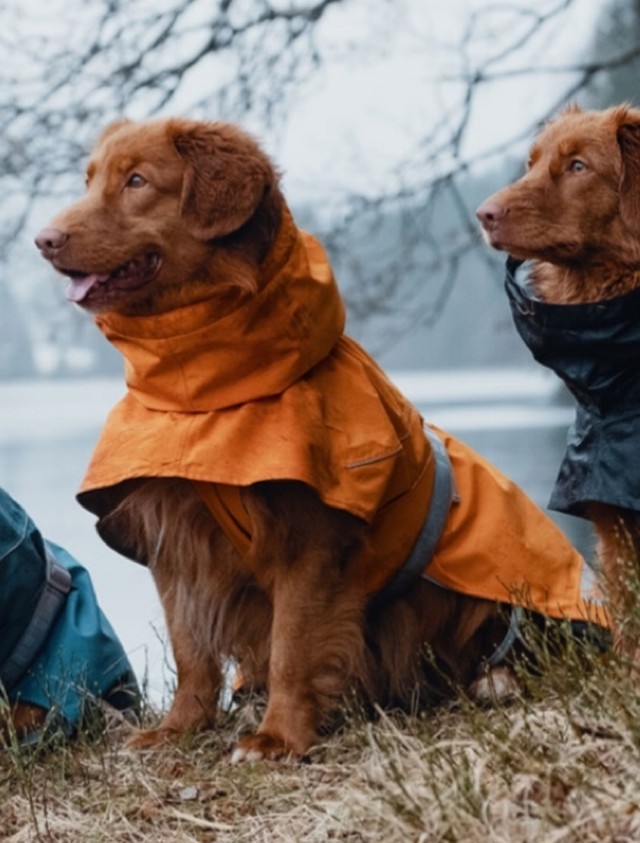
<point>275,391</point>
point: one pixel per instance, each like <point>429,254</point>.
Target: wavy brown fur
<point>217,610</point>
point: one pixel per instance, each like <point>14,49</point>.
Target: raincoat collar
<point>594,348</point>
<point>193,360</point>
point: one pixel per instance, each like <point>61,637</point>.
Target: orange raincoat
<point>274,390</point>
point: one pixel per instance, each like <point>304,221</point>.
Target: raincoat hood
<point>595,349</point>
<point>192,359</point>
<point>238,399</point>
<point>275,391</point>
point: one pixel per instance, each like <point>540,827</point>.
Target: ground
<point>559,763</point>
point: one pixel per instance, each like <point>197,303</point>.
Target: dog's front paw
<point>150,738</point>
<point>262,746</point>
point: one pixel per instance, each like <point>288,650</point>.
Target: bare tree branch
<point>248,59</point>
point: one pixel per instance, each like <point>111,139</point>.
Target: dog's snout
<point>50,240</point>
<point>490,212</point>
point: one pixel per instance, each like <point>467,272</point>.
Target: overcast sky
<point>391,70</point>
<point>371,115</point>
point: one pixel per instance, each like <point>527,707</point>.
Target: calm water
<point>48,429</point>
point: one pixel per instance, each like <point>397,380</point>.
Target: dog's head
<point>173,209</point>
<point>579,199</point>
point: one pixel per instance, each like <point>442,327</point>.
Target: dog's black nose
<point>50,240</point>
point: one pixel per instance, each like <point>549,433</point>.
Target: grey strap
<point>49,603</point>
<point>444,493</point>
<point>425,546</point>
<point>513,634</point>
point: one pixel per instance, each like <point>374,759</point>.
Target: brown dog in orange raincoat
<point>297,516</point>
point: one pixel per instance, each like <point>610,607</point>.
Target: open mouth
<point>93,287</point>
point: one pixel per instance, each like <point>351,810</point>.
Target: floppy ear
<point>629,186</point>
<point>226,176</point>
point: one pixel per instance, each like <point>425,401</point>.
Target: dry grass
<point>561,763</point>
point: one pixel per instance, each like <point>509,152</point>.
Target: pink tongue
<point>78,288</point>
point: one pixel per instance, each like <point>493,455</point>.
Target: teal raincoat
<point>57,649</point>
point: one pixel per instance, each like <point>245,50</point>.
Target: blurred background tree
<point>392,120</point>
<point>615,45</point>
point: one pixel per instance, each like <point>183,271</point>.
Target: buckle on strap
<point>425,545</point>
<point>50,602</point>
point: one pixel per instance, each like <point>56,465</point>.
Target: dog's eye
<point>577,166</point>
<point>136,180</point>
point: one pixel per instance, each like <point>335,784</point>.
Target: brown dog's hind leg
<point>618,533</point>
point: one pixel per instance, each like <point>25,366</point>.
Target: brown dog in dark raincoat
<point>576,215</point>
